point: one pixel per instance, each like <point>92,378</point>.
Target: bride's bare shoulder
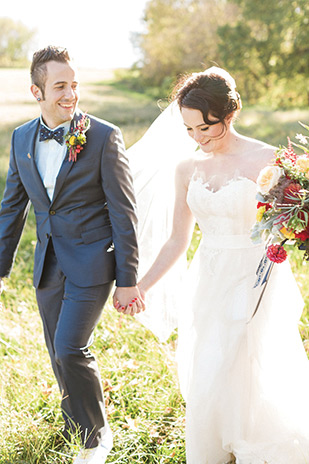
<point>185,170</point>
<point>261,150</point>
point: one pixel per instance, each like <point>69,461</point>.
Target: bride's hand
<point>142,291</point>
<point>127,300</point>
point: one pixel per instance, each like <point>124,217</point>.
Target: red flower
<point>289,153</point>
<point>303,235</point>
<point>276,253</point>
<point>267,205</point>
<point>292,190</point>
<point>278,162</point>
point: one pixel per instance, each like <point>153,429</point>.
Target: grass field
<point>143,401</point>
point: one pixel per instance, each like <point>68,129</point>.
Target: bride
<point>245,382</point>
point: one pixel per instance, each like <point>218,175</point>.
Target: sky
<point>96,32</point>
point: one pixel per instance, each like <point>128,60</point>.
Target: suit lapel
<point>66,165</point>
<point>30,149</point>
<point>64,171</point>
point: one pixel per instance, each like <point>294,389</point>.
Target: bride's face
<point>208,137</point>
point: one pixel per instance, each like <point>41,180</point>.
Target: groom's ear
<point>36,92</point>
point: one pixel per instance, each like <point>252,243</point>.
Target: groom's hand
<point>128,300</point>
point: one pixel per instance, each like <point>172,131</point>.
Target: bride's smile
<point>209,137</point>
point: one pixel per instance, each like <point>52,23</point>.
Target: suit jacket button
<point>52,212</point>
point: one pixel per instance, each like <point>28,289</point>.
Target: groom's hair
<point>38,70</point>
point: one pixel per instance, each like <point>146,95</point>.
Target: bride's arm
<point>179,240</point>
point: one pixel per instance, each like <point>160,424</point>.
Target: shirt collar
<point>65,125</point>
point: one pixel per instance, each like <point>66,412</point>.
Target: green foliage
<point>267,43</point>
<point>263,44</point>
<point>179,38</point>
<point>15,41</point>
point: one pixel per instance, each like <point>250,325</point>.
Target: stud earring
<point>38,99</point>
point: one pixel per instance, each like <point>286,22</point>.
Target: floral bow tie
<point>46,134</point>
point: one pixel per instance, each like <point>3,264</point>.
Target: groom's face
<point>61,93</point>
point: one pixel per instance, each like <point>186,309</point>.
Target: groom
<point>81,191</point>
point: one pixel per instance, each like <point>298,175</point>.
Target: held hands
<point>128,300</point>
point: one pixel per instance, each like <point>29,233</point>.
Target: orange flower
<point>287,233</point>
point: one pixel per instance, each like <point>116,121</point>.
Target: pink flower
<point>276,253</point>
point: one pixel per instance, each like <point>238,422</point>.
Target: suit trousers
<point>70,314</point>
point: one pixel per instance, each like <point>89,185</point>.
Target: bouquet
<point>283,201</point>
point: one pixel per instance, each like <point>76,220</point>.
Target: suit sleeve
<point>118,189</point>
<point>13,213</point>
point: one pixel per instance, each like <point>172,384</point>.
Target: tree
<point>267,45</point>
<point>180,37</point>
<point>263,44</point>
<point>15,41</point>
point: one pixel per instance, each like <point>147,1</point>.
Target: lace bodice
<point>229,211</point>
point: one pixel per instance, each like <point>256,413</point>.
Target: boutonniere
<point>76,137</point>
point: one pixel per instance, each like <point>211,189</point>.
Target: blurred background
<point>264,44</point>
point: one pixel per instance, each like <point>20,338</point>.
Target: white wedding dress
<point>246,383</point>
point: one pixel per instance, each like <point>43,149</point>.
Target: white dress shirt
<point>49,156</point>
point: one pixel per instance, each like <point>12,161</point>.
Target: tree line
<point>15,43</point>
<point>264,44</point>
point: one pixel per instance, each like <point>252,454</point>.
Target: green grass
<point>143,401</point>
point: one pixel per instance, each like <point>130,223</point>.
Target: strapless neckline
<point>205,184</point>
<point>230,210</point>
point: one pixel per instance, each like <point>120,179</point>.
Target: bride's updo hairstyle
<point>213,92</point>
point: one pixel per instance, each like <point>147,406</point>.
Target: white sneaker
<point>96,455</point>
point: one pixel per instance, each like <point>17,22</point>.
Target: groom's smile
<point>60,95</point>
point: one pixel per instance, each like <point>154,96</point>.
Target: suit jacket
<point>91,218</point>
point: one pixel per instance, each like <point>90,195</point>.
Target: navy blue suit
<point>86,239</point>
